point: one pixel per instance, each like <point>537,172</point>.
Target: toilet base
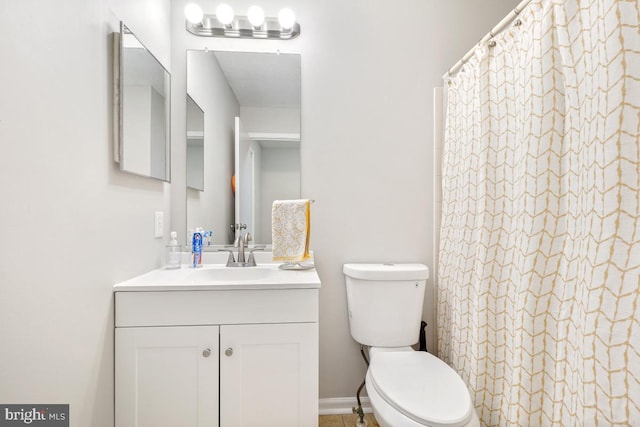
<point>387,416</point>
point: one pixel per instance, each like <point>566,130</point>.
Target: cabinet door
<point>167,376</point>
<point>269,375</point>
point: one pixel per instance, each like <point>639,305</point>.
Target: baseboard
<point>342,405</point>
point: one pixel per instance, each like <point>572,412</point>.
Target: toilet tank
<point>385,302</point>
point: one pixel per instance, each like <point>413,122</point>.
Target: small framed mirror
<point>195,145</point>
<point>142,92</point>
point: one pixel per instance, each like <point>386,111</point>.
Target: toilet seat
<point>421,387</point>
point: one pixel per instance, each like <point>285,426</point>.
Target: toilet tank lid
<point>387,271</point>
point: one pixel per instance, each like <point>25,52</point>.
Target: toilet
<point>406,388</point>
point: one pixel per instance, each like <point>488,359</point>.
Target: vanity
<point>217,346</point>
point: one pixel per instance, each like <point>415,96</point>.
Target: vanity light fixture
<point>286,18</point>
<point>193,13</point>
<point>224,15</point>
<point>255,15</point>
<point>224,23</point>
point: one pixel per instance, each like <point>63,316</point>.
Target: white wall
<point>213,208</point>
<point>366,136</point>
<point>71,223</point>
<point>273,120</point>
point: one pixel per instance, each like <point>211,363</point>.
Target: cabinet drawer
<point>216,307</point>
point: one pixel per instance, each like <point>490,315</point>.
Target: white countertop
<point>219,277</point>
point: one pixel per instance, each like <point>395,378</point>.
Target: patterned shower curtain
<point>539,271</point>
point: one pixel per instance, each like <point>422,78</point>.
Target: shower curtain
<point>539,265</point>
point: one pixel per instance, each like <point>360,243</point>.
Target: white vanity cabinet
<point>268,375</point>
<point>228,358</point>
<point>167,376</point>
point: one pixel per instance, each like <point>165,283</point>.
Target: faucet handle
<point>251,260</point>
<point>231,259</point>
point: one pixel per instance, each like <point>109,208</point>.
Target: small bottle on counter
<point>173,253</point>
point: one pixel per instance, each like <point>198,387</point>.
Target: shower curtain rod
<point>494,32</point>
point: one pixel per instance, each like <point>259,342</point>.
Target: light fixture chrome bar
<point>242,28</point>
<point>502,25</point>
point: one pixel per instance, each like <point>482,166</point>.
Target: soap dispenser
<point>173,253</point>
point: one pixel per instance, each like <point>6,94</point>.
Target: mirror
<point>195,145</point>
<point>142,90</point>
<point>251,104</point>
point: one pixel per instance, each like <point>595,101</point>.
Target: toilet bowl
<point>416,389</point>
<point>406,388</point>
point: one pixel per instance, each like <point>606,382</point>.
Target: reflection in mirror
<point>213,208</point>
<point>262,90</point>
<point>142,109</point>
<point>195,145</point>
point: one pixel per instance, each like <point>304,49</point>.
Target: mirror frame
<point>118,105</point>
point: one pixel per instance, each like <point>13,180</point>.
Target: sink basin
<point>208,274</point>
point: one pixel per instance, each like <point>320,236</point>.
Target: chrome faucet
<point>242,242</point>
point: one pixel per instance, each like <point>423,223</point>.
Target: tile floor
<point>345,420</point>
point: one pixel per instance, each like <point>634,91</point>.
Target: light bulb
<point>193,13</point>
<point>224,13</point>
<point>287,18</point>
<point>255,14</point>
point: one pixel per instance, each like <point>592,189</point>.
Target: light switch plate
<point>159,224</point>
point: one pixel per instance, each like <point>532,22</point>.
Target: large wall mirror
<point>142,89</point>
<point>251,143</point>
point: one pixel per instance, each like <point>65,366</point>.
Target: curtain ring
<point>492,43</point>
<point>517,23</point>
